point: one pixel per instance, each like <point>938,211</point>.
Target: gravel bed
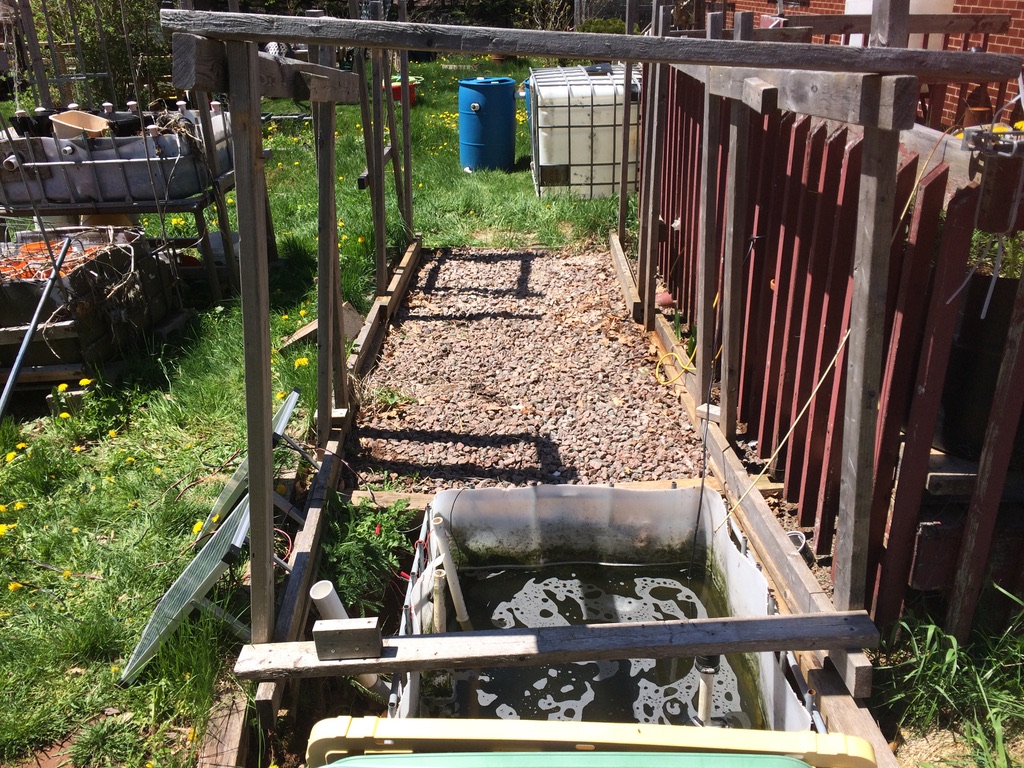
<point>518,367</point>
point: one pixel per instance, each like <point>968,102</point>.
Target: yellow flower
<point>21,446</point>
<point>114,669</point>
<point>77,449</point>
<point>344,237</point>
<point>5,528</point>
<point>85,382</point>
<point>62,387</point>
<point>19,505</point>
<point>66,574</point>
<point>3,508</point>
<point>75,529</point>
<point>280,165</point>
<point>302,313</point>
<point>130,460</point>
<point>280,395</point>
<point>112,432</point>
<point>361,239</point>
<point>230,201</point>
<point>284,317</point>
<point>295,163</point>
<point>301,361</point>
<point>64,415</point>
<point>157,470</point>
<point>197,527</point>
<point>215,518</point>
<point>109,478</point>
<point>11,455</point>
<point>14,586</point>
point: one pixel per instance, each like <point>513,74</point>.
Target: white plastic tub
<point>545,524</point>
<point>576,121</point>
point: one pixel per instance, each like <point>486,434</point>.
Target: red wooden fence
<point>802,187</point>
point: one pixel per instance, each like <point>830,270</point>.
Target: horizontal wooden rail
<point>558,645</point>
<point>917,24</point>
<point>954,65</point>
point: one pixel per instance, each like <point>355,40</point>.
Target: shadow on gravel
<point>522,284</point>
<point>548,463</point>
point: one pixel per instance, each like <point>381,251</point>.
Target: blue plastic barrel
<point>487,123</point>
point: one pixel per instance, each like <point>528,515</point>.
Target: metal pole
<point>9,386</point>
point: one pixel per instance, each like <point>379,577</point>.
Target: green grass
<point>926,679</point>
<point>97,507</point>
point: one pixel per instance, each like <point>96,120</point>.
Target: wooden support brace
<point>347,638</point>
<point>955,66</point>
<point>760,95</point>
<point>200,64</point>
<point>557,645</point>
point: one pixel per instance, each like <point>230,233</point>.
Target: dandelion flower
<point>75,529</point>
<point>197,527</point>
<point>3,508</point>
<point>361,239</point>
<point>112,432</point>
<point>114,669</point>
<point>5,528</point>
<point>21,446</point>
<point>64,415</point>
<point>14,586</point>
<point>280,395</point>
<point>66,574</point>
<point>11,455</point>
<point>230,201</point>
<point>301,361</point>
<point>19,505</point>
<point>63,387</point>
<point>78,449</point>
<point>295,163</point>
<point>130,460</point>
<point>302,313</point>
<point>284,317</point>
<point>157,470</point>
<point>280,165</point>
<point>85,382</point>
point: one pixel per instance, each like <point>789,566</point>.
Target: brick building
<point>959,96</point>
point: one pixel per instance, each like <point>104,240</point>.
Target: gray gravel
<point>518,367</point>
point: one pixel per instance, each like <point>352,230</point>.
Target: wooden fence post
<point>252,213</point>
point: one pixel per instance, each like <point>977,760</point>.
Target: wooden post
<point>707,251</point>
<point>627,101</point>
<point>28,31</point>
<point>736,197</point>
<point>996,452</point>
<point>890,24</point>
<point>248,151</point>
<point>377,171</point>
<point>324,114</point>
<point>403,15</point>
<point>864,359</point>
<point>654,144</point>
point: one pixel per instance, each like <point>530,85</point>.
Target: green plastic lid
<point>569,760</point>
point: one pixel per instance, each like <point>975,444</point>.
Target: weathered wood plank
<point>625,275</point>
<point>996,452</point>
<point>864,361</point>
<point>556,645</point>
<point>977,67</point>
<point>248,152</point>
<point>200,64</point>
<point>226,743</point>
<point>839,96</point>
<point>63,329</point>
<point>793,34</point>
<point>889,22</point>
<point>337,639</point>
<point>918,24</point>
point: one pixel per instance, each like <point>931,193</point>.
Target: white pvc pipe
<point>707,682</point>
<point>329,606</point>
<point>440,539</point>
<point>440,620</point>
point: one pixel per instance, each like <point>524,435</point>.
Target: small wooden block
<point>347,638</point>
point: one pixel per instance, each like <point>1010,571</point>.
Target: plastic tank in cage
<point>576,126</point>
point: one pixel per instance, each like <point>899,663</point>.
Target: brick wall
<point>957,97</point>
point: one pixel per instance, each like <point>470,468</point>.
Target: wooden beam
<point>558,645</point>
<point>954,65</point>
<point>626,281</point>
<point>627,98</point>
<point>337,639</point>
<point>864,357</point>
<point>834,96</point>
<point>796,34</point>
<point>996,452</point>
<point>918,24</point>
<point>248,152</point>
<point>200,64</point>
<point>62,329</point>
<point>226,742</point>
<point>760,95</point>
<point>707,246</point>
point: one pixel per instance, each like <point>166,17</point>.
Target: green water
<point>629,690</point>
